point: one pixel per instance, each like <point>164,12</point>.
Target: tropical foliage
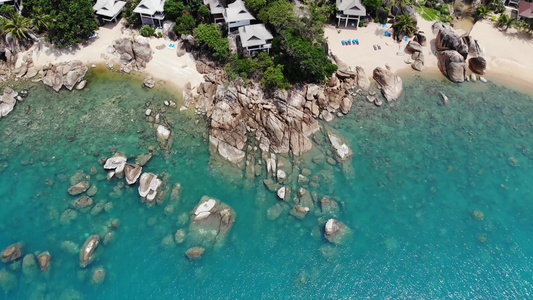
<point>505,21</point>
<point>405,25</point>
<point>481,12</point>
<point>210,36</point>
<point>18,27</point>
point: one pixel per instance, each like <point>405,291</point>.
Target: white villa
<point>217,9</point>
<point>109,9</point>
<point>350,10</point>
<point>236,15</point>
<point>152,11</point>
<point>255,37</point>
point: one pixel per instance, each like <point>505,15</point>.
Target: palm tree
<point>481,12</point>
<point>405,25</point>
<point>18,27</point>
<point>505,21</point>
<point>39,20</point>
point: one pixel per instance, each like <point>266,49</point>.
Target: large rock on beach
<point>211,221</point>
<point>477,65</point>
<point>449,40</point>
<point>12,252</point>
<point>420,37</point>
<point>438,26</point>
<point>413,46</point>
<point>391,85</point>
<point>133,52</point>
<point>361,78</point>
<point>452,64</point>
<point>88,249</point>
<point>336,232</point>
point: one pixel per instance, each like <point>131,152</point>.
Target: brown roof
<point>525,9</point>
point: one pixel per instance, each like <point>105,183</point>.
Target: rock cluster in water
<point>66,74</point>
<point>8,100</point>
<point>281,122</point>
<point>210,222</point>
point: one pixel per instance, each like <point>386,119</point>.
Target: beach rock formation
<point>7,101</point>
<point>420,37</point>
<point>12,252</point>
<point>115,164</point>
<point>477,65</point>
<point>452,64</point>
<point>133,53</point>
<point>413,47</point>
<point>361,78</point>
<point>149,82</point>
<point>391,85</point>
<point>336,232</point>
<point>66,74</point>
<point>149,186</point>
<point>88,249</point>
<point>341,149</point>
<point>211,221</point>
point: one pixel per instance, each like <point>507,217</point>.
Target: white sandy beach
<point>508,54</point>
<point>165,65</point>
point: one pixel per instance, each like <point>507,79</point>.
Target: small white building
<point>236,15</point>
<point>255,37</point>
<point>152,12</point>
<point>350,10</point>
<point>217,8</point>
<point>109,9</point>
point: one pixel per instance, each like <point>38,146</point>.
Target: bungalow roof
<point>254,35</point>
<point>237,12</point>
<point>351,7</point>
<point>525,9</point>
<point>109,8</point>
<point>150,7</point>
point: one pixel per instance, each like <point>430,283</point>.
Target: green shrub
<point>147,31</point>
<point>185,24</point>
<point>210,36</point>
<point>274,79</point>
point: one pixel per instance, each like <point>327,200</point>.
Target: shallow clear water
<point>418,172</point>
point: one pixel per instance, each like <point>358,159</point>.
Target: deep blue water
<point>418,172</point>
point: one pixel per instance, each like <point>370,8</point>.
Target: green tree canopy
<point>304,60</point>
<point>175,8</point>
<point>210,36</point>
<point>185,24</point>
<point>274,78</point>
<point>72,22</point>
<point>18,27</point>
<point>278,14</point>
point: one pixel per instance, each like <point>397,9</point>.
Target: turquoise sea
<point>418,173</point>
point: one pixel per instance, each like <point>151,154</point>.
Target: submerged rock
<point>342,151</point>
<point>98,275</point>
<point>299,211</point>
<point>83,202</point>
<point>335,231</point>
<point>44,260</point>
<point>8,280</point>
<point>29,265</point>
<point>79,188</point>
<point>211,221</point>
<point>88,249</point>
<point>12,253</point>
<point>194,253</point>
